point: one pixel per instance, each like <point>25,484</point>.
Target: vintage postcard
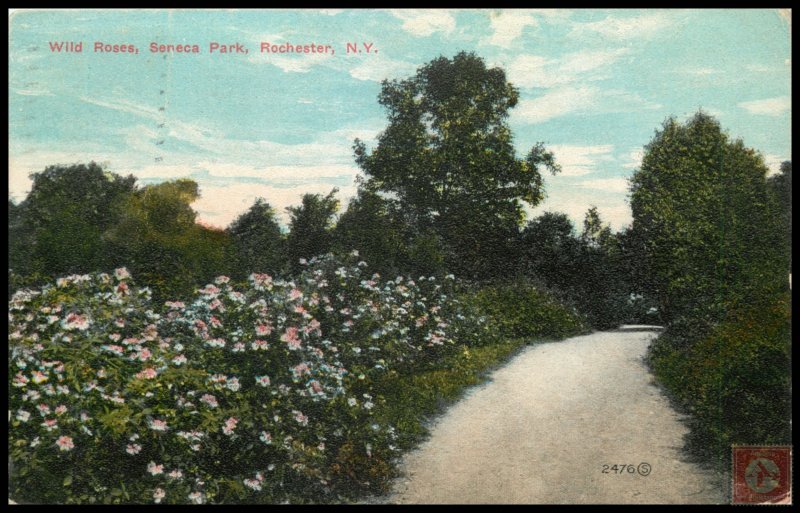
<point>383,256</point>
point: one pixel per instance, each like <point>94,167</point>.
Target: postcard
<point>340,256</point>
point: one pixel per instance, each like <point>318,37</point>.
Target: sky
<point>594,86</point>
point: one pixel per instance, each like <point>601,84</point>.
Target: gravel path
<point>541,430</point>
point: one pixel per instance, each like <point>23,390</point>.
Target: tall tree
<point>595,233</point>
<point>310,228</point>
<point>447,155</point>
<point>257,241</point>
<point>58,228</point>
<point>780,186</point>
<point>552,252</point>
<point>372,225</point>
<point>158,239</point>
<point>700,202</point>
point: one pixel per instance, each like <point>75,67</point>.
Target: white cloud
<point>590,60</point>
<point>768,107</point>
<point>531,71</point>
<point>576,201</point>
<point>699,71</point>
<point>294,63</point>
<point>643,26</point>
<point>773,162</point>
<point>606,184</point>
<point>578,160</point>
<point>331,12</point>
<point>556,103</point>
<point>538,71</point>
<point>508,26</point>
<point>377,68</point>
<point>424,22</point>
<point>584,99</point>
<point>634,159</point>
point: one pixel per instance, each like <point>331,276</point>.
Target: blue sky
<point>594,86</point>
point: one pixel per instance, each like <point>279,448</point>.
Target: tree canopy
<point>257,241</point>
<point>447,154</point>
<point>311,227</point>
<point>700,202</point>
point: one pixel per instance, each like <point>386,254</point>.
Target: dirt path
<point>541,430</point>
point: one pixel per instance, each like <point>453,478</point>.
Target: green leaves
<point>447,155</point>
<point>700,200</point>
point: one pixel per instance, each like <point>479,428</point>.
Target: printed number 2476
<point>619,469</point>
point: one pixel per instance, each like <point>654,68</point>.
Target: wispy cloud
<point>606,184</point>
<point>507,25</point>
<point>633,159</point>
<point>33,92</point>
<point>299,63</point>
<point>424,22</point>
<point>577,160</point>
<point>699,71</point>
<point>377,68</point>
<point>539,71</point>
<point>769,106</point>
<point>644,26</point>
<point>583,99</point>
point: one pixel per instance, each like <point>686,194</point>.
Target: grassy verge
<point>412,400</point>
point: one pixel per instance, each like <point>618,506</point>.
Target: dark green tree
<point>780,186</point>
<point>551,252</point>
<point>159,241</point>
<point>257,241</point>
<point>58,229</point>
<point>373,226</point>
<point>701,203</point>
<point>595,234</point>
<point>310,228</point>
<point>447,154</point>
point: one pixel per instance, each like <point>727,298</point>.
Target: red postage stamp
<point>762,475</point>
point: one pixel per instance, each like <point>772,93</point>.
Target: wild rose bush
<point>252,393</point>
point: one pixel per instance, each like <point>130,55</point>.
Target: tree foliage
<point>780,187</point>
<point>57,228</point>
<point>158,238</point>
<point>447,154</point>
<point>700,201</point>
<point>311,228</point>
<point>257,242</point>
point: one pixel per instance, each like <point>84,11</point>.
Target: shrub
<point>259,392</point>
<point>520,310</point>
<point>736,380</point>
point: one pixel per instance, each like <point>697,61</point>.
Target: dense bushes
<point>520,310</point>
<point>714,241</point>
<point>257,392</point>
<point>736,381</point>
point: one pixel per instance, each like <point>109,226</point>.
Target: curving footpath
<point>542,429</point>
